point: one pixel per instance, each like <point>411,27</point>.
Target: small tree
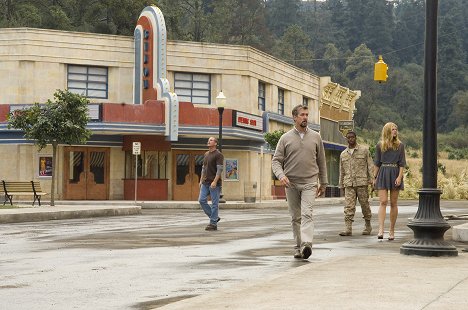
<point>62,121</point>
<point>272,138</point>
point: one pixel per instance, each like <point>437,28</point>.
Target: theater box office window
<point>151,168</point>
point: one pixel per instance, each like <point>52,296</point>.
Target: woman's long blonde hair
<point>387,141</point>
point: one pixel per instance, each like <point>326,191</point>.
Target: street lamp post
<point>428,224</point>
<point>221,103</point>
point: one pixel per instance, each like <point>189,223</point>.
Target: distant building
<point>163,94</point>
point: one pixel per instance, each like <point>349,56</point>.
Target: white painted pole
<point>261,171</point>
<point>136,176</point>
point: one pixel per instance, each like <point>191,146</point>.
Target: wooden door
<point>187,172</point>
<point>86,174</point>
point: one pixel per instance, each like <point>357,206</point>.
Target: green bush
<point>455,139</point>
<point>273,137</point>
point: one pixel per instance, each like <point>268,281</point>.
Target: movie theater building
<point>162,94</point>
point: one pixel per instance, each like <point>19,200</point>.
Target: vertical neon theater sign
<point>150,74</point>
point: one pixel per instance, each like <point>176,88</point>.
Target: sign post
<point>136,152</point>
<point>261,171</point>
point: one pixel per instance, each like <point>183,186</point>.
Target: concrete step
<point>460,232</point>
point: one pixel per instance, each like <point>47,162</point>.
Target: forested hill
<point>340,38</point>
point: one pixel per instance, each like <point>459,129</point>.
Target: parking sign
<point>136,148</point>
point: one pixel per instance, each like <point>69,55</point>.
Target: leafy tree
<point>273,137</point>
<point>315,22</point>
<point>240,22</point>
<point>452,67</point>
<point>361,62</point>
<point>57,18</point>
<point>19,15</point>
<point>378,26</point>
<point>408,35</point>
<point>189,19</point>
<point>281,14</point>
<point>460,109</point>
<point>405,91</point>
<point>62,121</point>
<point>354,18</point>
<point>293,46</point>
<point>333,64</point>
<point>337,21</point>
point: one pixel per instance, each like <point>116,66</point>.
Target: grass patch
<point>451,178</point>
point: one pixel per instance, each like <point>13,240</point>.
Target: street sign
<point>345,126</point>
<point>136,148</point>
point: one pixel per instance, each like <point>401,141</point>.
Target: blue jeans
<point>211,211</point>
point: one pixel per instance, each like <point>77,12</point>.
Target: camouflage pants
<point>362,194</point>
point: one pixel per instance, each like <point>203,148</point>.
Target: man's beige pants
<point>301,199</point>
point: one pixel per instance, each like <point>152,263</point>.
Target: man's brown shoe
<point>211,227</point>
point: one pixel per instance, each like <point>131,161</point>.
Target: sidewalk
<point>391,281</point>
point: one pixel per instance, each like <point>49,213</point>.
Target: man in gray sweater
<point>299,163</point>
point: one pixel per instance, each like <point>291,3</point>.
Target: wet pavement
<point>162,256</point>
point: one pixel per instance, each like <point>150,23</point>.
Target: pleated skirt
<point>386,178</point>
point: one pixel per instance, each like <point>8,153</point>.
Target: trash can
<point>250,191</point>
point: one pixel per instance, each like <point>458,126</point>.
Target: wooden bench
<point>22,188</point>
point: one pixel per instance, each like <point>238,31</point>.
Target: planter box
<point>278,192</point>
<point>147,189</point>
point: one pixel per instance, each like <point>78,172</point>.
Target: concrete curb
<point>232,204</point>
<point>86,209</point>
<point>18,215</point>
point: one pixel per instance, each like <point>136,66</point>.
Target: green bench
<point>22,188</point>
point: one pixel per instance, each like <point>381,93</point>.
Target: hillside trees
<point>240,22</point>
<point>452,67</point>
<point>281,14</point>
<point>408,34</point>
<point>294,46</point>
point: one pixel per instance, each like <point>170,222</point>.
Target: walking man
<point>299,163</point>
<point>210,182</point>
<point>355,175</point>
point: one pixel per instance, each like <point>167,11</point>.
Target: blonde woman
<point>389,162</point>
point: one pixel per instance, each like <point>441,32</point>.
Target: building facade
<point>162,94</point>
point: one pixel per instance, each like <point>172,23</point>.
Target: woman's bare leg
<point>393,210</point>
<point>383,198</point>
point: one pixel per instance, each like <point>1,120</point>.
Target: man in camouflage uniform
<point>355,175</point>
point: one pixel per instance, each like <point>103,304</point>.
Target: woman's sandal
<point>391,236</point>
<point>380,236</point>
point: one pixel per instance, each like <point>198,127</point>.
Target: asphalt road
<point>150,260</point>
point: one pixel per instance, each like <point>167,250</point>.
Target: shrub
<point>452,187</point>
<point>272,138</point>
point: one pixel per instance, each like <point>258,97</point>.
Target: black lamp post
<point>428,224</point>
<point>221,103</point>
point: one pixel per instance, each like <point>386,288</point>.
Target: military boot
<point>348,231</point>
<point>367,229</point>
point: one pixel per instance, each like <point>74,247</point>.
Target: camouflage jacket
<point>356,169</point>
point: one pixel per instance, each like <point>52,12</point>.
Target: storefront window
<point>150,165</point>
<point>333,166</point>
